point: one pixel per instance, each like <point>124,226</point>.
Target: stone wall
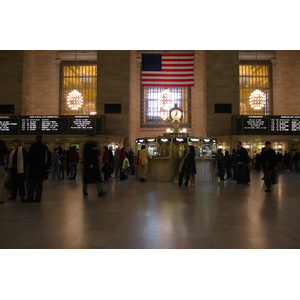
<point>222,87</point>
<point>11,78</point>
<point>113,88</point>
<point>286,83</point>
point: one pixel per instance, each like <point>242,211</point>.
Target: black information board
<point>53,124</point>
<point>44,124</point>
<point>9,124</point>
<point>254,124</point>
<point>82,124</point>
<point>284,124</point>
<point>288,125</point>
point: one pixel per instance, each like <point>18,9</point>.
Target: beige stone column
<point>134,97</point>
<point>198,101</point>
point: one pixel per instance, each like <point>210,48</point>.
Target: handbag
<point>126,164</point>
<point>138,160</point>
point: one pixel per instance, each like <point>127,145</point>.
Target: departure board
<point>81,124</point>
<point>284,124</point>
<point>288,125</point>
<point>256,124</point>
<point>9,124</point>
<point>44,124</point>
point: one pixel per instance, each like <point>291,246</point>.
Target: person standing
<point>39,160</point>
<point>68,164</point>
<point>286,161</point>
<point>191,165</point>
<point>233,164</point>
<point>182,166</point>
<point>243,172</point>
<point>56,164</point>
<point>131,160</point>
<point>105,164</point>
<point>17,164</point>
<point>221,164</point>
<point>74,159</point>
<point>144,155</point>
<point>91,171</point>
<point>3,152</point>
<point>117,165</point>
<point>122,155</point>
<point>62,159</point>
<point>227,158</point>
<point>269,164</point>
<point>111,161</point>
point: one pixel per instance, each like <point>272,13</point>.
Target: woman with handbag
<point>17,163</point>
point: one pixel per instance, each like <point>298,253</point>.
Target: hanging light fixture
<point>257,99</point>
<point>165,103</point>
<point>89,109</point>
<point>74,98</point>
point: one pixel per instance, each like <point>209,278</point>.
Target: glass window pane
<point>83,76</point>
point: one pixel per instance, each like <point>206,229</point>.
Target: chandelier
<point>74,99</point>
<point>89,109</point>
<point>257,99</point>
<point>165,103</point>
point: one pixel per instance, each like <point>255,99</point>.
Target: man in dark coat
<point>269,164</point>
<point>3,152</point>
<point>39,159</point>
<point>91,171</point>
<point>243,172</point>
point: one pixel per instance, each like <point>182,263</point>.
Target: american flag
<point>169,69</point>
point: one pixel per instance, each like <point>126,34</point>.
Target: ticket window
<point>164,148</point>
<point>152,146</point>
<point>196,142</point>
<point>152,150</point>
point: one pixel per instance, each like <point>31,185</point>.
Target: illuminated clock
<point>176,114</point>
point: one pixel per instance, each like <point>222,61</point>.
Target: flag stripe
<point>175,69</point>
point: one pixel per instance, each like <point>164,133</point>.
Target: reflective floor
<point>135,215</point>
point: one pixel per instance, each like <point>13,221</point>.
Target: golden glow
<point>84,78</point>
<point>254,76</point>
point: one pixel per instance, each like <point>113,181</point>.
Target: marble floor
<point>135,215</point>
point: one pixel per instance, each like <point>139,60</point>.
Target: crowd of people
<point>237,164</point>
<point>22,170</point>
<point>35,164</point>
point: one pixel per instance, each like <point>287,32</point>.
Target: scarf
<point>20,161</point>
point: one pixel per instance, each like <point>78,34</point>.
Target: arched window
<point>82,76</point>
<point>255,75</point>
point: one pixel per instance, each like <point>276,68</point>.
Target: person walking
<point>74,159</point>
<point>91,171</point>
<point>17,164</point>
<point>143,156</point>
<point>39,161</point>
<point>191,165</point>
<point>182,166</point>
<point>269,164</point>
<point>3,152</point>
